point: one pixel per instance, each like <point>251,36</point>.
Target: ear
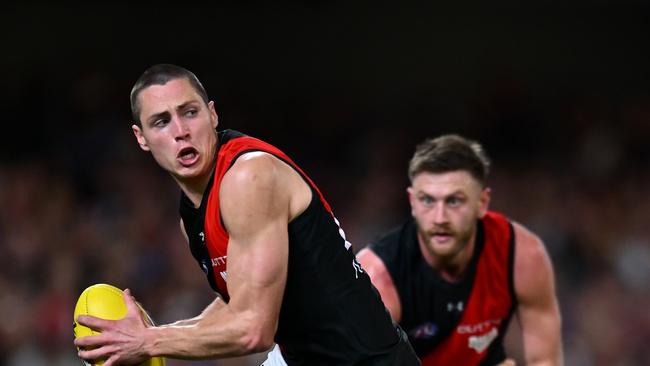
<point>411,194</point>
<point>214,119</point>
<point>142,141</point>
<point>484,202</point>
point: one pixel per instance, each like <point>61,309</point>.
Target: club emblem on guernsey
<point>424,331</point>
<point>481,343</point>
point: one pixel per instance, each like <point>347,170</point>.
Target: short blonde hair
<point>449,153</point>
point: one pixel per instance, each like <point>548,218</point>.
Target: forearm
<point>216,333</point>
<point>543,341</point>
<point>538,309</point>
<point>552,357</point>
<point>549,362</point>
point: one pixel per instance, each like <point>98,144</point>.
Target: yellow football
<point>106,302</point>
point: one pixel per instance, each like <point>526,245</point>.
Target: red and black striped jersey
<point>330,314</point>
<point>460,323</point>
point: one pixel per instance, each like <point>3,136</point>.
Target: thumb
<point>129,300</point>
<point>133,306</point>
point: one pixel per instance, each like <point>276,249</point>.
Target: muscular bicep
<point>382,280</point>
<point>255,211</point>
<point>538,309</point>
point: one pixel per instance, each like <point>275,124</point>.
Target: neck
<point>452,267</point>
<point>195,188</point>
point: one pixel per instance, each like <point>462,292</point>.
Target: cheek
<point>423,217</point>
<point>418,210</point>
<point>161,152</point>
<point>467,219</point>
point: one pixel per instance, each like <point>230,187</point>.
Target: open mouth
<point>188,156</point>
<point>442,237</point>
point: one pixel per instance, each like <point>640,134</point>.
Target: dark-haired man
<point>266,239</point>
<point>455,272</point>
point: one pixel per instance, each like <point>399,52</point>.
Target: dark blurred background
<point>559,95</point>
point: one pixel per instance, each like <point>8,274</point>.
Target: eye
<point>160,122</point>
<point>191,112</point>
<point>426,200</point>
<point>454,201</point>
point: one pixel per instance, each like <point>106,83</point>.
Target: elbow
<point>257,335</point>
<point>256,340</point>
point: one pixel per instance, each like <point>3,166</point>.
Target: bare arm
<point>381,279</point>
<point>538,309</point>
<point>256,201</point>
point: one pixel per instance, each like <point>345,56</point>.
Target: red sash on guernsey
<point>216,237</point>
<point>489,303</point>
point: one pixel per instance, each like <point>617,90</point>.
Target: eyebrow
<point>184,105</point>
<point>457,192</point>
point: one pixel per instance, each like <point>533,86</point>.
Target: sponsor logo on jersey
<point>481,327</point>
<point>219,261</point>
<point>424,331</point>
<point>481,343</point>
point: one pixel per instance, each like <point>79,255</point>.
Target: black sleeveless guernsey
<point>460,323</point>
<point>330,314</point>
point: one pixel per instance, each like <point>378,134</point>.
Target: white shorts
<point>274,358</point>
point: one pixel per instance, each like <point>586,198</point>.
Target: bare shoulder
<point>529,247</point>
<point>372,264</point>
<point>256,175</point>
<point>254,168</point>
<point>382,280</point>
<point>260,184</point>
<point>533,270</point>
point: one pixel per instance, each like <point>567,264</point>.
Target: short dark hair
<point>160,74</point>
<point>449,153</point>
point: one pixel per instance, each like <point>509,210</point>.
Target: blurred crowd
<point>87,206</point>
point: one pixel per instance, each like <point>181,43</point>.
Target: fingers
<point>89,341</point>
<point>93,322</point>
<point>117,336</point>
<point>508,362</point>
<point>111,361</point>
<point>96,353</point>
<point>100,324</point>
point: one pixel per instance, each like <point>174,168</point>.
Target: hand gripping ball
<point>106,302</point>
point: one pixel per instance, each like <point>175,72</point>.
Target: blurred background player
<point>267,241</point>
<point>455,272</point>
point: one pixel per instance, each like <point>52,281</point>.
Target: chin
<point>188,173</point>
<point>443,250</point>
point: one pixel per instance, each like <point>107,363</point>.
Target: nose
<point>180,128</point>
<point>439,213</point>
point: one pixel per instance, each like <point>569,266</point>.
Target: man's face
<point>178,128</point>
<point>446,207</point>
